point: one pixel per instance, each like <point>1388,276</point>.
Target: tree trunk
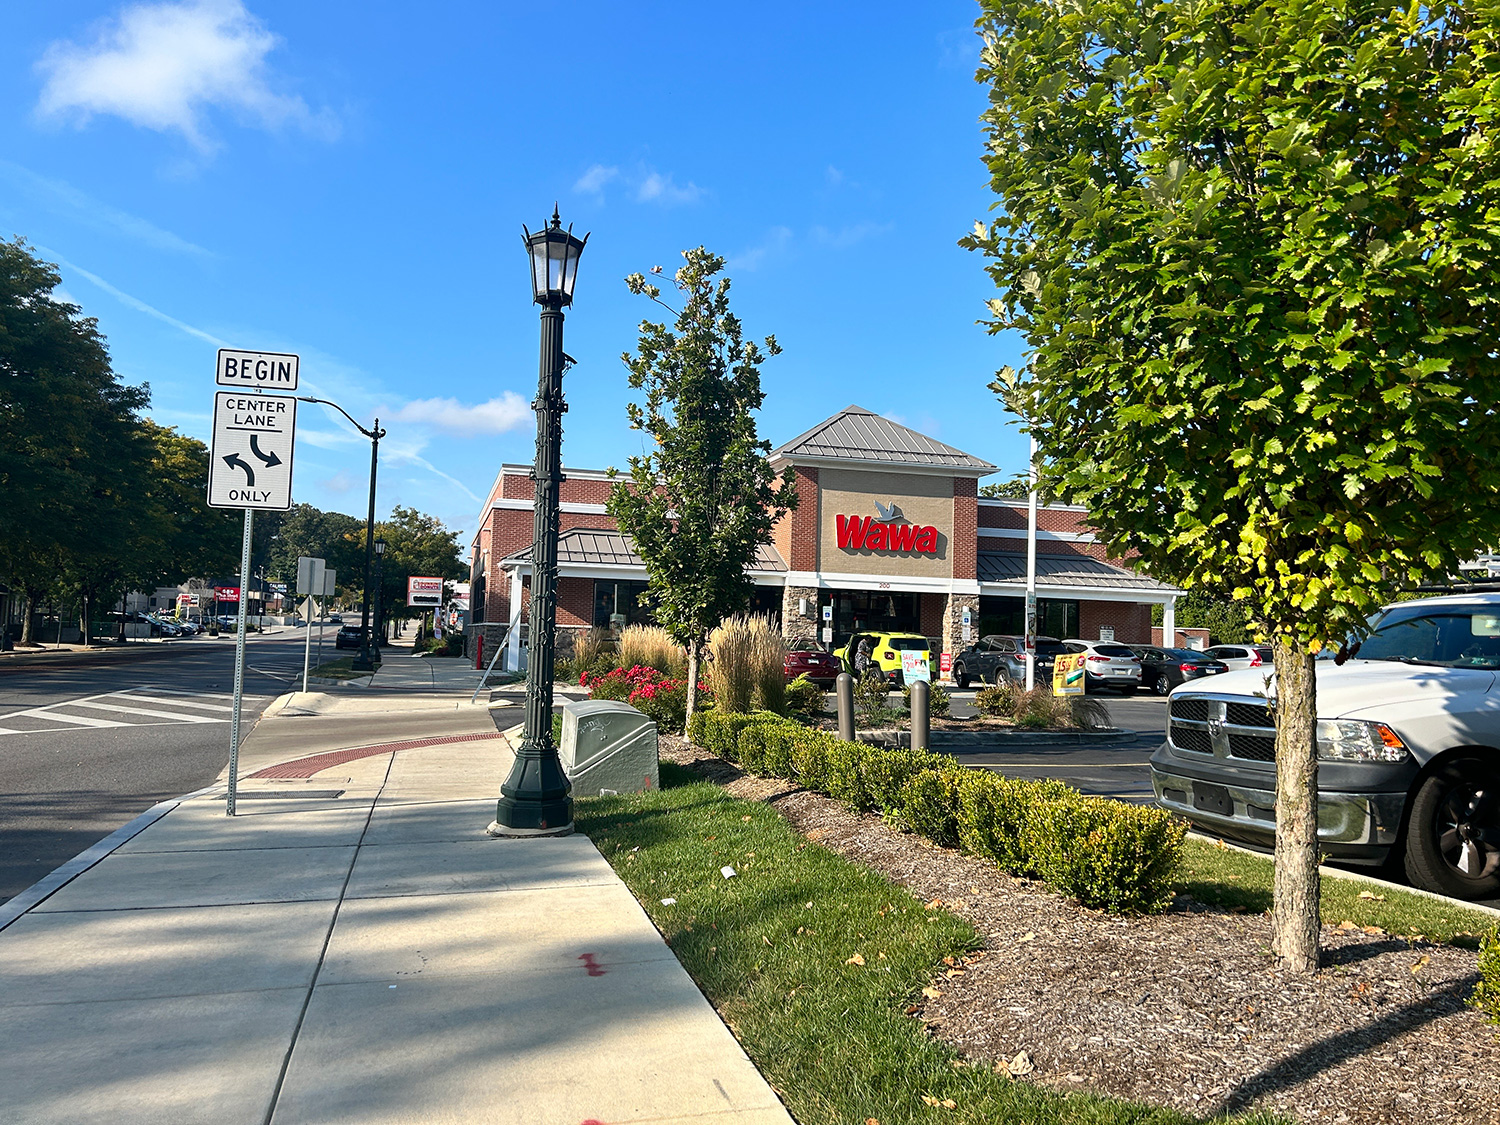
<point>1294,913</point>
<point>692,679</point>
<point>26,609</point>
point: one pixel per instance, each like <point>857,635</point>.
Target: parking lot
<point>1106,771</point>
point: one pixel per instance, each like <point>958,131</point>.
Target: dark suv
<point>350,636</point>
<point>1003,656</point>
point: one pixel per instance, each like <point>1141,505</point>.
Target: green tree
<point>699,504</point>
<point>1017,487</point>
<point>1250,247</point>
<point>1227,621</point>
<point>70,447</point>
<point>415,544</point>
<point>185,538</point>
<point>336,538</point>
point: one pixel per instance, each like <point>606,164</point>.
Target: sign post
<point>309,581</point>
<point>250,467</point>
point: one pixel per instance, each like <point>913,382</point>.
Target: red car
<point>807,658</point>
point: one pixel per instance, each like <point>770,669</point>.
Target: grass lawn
<point>340,669</point>
<point>1230,878</point>
<point>812,960</point>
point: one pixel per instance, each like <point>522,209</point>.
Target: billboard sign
<point>426,592</point>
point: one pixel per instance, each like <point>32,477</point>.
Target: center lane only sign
<point>251,462</point>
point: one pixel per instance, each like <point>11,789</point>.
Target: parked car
<point>1239,657</point>
<point>1002,655</point>
<point>807,658</point>
<point>885,653</point>
<point>1107,666</point>
<point>1162,669</point>
<point>1408,735</point>
<point>349,636</point>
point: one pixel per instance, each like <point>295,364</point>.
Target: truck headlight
<point>1348,740</point>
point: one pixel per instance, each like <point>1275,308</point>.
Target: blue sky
<point>348,181</point>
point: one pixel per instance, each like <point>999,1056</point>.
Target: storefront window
<point>616,604</point>
<point>867,611</point>
<point>1054,617</point>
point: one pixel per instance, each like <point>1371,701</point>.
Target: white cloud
<point>162,66</point>
<point>340,483</point>
<point>507,412</point>
<point>775,242</point>
<point>592,182</point>
<point>656,188</point>
<point>63,198</point>
<point>845,237</point>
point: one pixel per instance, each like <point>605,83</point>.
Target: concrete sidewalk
<point>353,948</point>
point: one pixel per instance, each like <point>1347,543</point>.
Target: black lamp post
<point>379,593</point>
<point>368,658</point>
<point>536,799</point>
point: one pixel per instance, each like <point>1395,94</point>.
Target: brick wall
<point>575,490</point>
<point>965,524</point>
<point>1131,622</point>
<point>1181,640</point>
<point>575,602</point>
<point>804,524</point>
<point>1013,514</point>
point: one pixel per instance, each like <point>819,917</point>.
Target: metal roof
<point>1009,568</point>
<point>857,434</point>
<point>598,547</point>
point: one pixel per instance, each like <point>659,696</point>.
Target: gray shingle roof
<point>857,434</point>
<point>1063,570</point>
<point>593,547</point>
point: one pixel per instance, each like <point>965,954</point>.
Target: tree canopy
<point>701,502</point>
<point>1251,248</point>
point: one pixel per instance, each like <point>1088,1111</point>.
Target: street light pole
<point>536,799</point>
<point>379,620</point>
<point>368,657</point>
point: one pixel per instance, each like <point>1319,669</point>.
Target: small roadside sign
<point>424,591</point>
<point>828,634</point>
<point>251,462</point>
<point>309,575</point>
<point>1067,674</point>
<point>828,613</point>
<point>914,666</point>
<point>257,371</point>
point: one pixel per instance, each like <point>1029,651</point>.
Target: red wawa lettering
<point>861,533</point>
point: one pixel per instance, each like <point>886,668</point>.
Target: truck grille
<point>1229,728</point>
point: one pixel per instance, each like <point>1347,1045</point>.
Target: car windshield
<point>804,646</point>
<point>1449,636</point>
<point>908,644</point>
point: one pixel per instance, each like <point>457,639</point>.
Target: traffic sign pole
<point>239,666</point>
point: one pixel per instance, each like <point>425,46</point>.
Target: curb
<point>45,887</point>
<point>998,740</point>
<point>1358,877</point>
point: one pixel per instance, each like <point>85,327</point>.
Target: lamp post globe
<point>536,799</point>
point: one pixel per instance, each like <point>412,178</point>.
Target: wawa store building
<point>889,534</point>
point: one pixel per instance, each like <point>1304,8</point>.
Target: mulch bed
<point>1186,1009</point>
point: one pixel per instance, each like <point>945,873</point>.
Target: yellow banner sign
<point>1067,674</point>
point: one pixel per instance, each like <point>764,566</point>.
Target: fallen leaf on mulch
<point>931,993</point>
<point>1021,1064</point>
<point>855,960</point>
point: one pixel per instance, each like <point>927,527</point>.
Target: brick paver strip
<point>306,767</point>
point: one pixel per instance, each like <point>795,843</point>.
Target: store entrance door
<point>873,611</point>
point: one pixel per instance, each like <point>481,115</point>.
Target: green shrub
<point>750,748</point>
<point>938,700</point>
<point>1107,854</point>
<point>886,773</point>
<point>810,761</point>
<point>871,709</point>
<point>929,804</point>
<point>804,698</point>
<point>665,704</point>
<point>1486,997</point>
<point>997,700</point>
<point>846,781</point>
<point>781,747</point>
<point>992,812</point>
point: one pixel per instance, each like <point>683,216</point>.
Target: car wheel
<point>1001,679</point>
<point>961,676</point>
<point>1453,837</point>
<point>1162,685</point>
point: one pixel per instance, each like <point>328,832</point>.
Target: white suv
<point>1107,665</point>
<point>1408,747</point>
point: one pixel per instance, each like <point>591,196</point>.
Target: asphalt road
<point>89,743</point>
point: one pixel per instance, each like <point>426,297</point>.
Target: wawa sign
<point>891,532</point>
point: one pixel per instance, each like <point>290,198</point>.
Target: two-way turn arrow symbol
<point>270,460</point>
<point>234,459</point>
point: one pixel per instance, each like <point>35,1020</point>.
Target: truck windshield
<point>1450,636</point>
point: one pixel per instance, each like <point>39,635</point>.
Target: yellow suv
<point>885,653</point>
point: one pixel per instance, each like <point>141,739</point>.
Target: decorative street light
<point>379,620</point>
<point>536,799</point>
<point>368,658</point>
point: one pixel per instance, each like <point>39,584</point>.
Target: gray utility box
<point>608,745</point>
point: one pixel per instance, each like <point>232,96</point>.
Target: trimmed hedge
<point>1107,854</point>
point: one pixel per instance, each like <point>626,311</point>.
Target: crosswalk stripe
<point>177,716</point>
<point>202,694</point>
<point>175,702</point>
<point>80,720</point>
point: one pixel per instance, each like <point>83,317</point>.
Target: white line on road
<point>174,715</point>
<point>53,716</point>
<point>133,694</point>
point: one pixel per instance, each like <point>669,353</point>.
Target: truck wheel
<point>1453,838</point>
<point>961,676</point>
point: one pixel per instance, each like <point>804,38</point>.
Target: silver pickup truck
<point>1408,747</point>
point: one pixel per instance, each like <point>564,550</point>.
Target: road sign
<point>309,575</point>
<point>257,371</point>
<point>251,463</point>
<point>424,591</point>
